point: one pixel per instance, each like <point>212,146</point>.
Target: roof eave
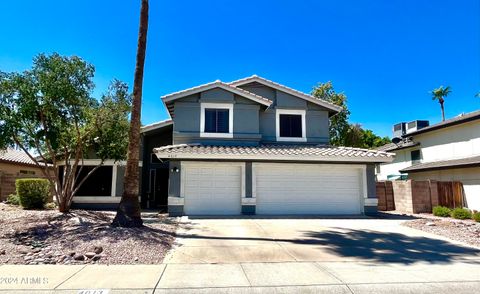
<point>161,154</point>
<point>333,108</point>
<point>206,87</point>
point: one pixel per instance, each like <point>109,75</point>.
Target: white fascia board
<point>311,158</point>
<point>213,85</point>
<point>156,125</point>
<point>288,91</point>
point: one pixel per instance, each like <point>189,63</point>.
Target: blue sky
<point>385,55</point>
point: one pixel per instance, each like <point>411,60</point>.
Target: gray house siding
<point>245,119</point>
<point>252,123</point>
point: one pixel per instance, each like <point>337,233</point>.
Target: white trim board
<point>278,112</point>
<point>228,106</point>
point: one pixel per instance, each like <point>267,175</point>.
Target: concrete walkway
<point>281,277</point>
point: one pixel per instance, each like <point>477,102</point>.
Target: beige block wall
<point>415,196</point>
<point>10,172</point>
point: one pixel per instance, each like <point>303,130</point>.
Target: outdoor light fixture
<point>175,170</point>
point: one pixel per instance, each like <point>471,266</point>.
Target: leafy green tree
<point>339,125</point>
<point>439,94</point>
<point>342,133</point>
<point>48,112</point>
<point>128,212</point>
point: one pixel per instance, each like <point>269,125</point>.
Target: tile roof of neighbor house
<point>274,152</point>
<point>286,89</point>
<point>392,146</point>
<point>15,156</point>
<point>460,119</point>
<point>443,164</point>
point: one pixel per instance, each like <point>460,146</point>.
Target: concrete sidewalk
<point>278,277</point>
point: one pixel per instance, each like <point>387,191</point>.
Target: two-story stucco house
<point>254,146</point>
<point>446,151</point>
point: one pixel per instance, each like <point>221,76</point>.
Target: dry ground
<point>466,231</point>
<point>50,237</point>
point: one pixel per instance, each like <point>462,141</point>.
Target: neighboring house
<point>15,164</point>
<point>254,146</point>
<point>446,151</point>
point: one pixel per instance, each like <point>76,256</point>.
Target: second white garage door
<point>212,188</point>
<point>307,189</point>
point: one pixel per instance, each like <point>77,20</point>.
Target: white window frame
<point>228,106</point>
<point>277,124</point>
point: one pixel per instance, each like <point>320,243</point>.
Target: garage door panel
<point>307,189</point>
<point>212,189</point>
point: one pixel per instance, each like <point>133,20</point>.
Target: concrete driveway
<point>294,240</point>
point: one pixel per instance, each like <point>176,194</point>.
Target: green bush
<point>50,205</point>
<point>13,199</point>
<point>476,216</point>
<point>33,193</point>
<point>441,211</point>
<point>461,213</point>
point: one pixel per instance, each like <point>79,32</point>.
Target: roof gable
<point>332,107</point>
<point>221,85</point>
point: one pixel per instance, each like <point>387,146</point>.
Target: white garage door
<point>307,189</point>
<point>212,188</point>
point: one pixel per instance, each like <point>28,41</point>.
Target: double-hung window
<point>216,120</point>
<point>290,125</point>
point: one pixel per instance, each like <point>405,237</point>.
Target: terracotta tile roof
<point>15,156</point>
<point>273,152</point>
<point>442,164</point>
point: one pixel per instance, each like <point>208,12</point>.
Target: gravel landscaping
<point>50,237</point>
<point>466,231</point>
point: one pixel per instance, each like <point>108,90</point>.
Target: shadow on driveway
<point>386,247</point>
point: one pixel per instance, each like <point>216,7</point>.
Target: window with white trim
<point>290,125</point>
<point>216,120</point>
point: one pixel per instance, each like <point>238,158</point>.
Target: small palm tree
<point>439,94</point>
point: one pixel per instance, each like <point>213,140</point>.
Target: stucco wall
<point>10,172</point>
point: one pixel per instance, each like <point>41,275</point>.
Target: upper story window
<point>216,120</point>
<point>290,125</point>
<point>416,156</point>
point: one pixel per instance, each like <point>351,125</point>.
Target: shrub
<point>476,216</point>
<point>461,213</point>
<point>441,211</point>
<point>33,193</point>
<point>50,205</point>
<point>13,199</point>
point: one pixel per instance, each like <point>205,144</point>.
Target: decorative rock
<point>430,224</point>
<point>22,251</point>
<point>79,257</point>
<point>136,258</point>
<point>27,258</point>
<point>98,249</point>
<point>90,254</point>
<point>96,257</point>
<point>40,260</point>
<point>72,253</point>
<point>36,250</point>
<point>3,252</point>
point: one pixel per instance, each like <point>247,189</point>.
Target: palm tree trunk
<point>443,110</point>
<point>128,211</point>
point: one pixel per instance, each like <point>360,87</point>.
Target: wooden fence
<point>419,196</point>
<point>451,194</point>
<point>385,196</point>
